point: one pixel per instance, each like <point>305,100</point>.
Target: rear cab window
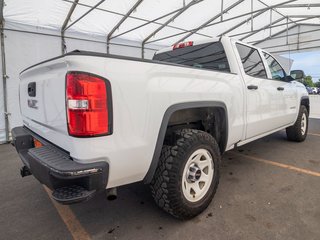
<point>251,61</point>
<point>209,56</point>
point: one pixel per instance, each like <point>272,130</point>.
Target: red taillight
<point>88,105</point>
<point>182,45</point>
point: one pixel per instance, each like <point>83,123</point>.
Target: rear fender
<point>163,128</point>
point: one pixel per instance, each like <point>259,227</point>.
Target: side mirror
<point>297,74</point>
<point>289,78</point>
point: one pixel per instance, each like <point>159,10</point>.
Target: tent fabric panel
<point>286,63</point>
<point>219,28</point>
<point>141,33</point>
<point>37,51</point>
<point>96,22</point>
<point>264,34</point>
<point>41,13</point>
<point>299,11</point>
<point>52,13</point>
<point>122,6</point>
<point>191,18</point>
<point>153,8</point>
<point>307,40</point>
<point>259,22</point>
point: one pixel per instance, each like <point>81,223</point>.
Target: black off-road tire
<point>166,185</point>
<point>294,133</point>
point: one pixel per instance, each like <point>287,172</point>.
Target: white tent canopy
<point>205,18</point>
<point>33,30</point>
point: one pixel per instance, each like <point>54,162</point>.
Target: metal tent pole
<point>4,73</point>
<point>138,18</point>
<point>273,26</point>
<point>251,15</point>
<point>285,30</point>
<point>287,39</point>
<point>120,22</point>
<point>221,10</point>
<point>85,14</point>
<point>65,23</point>
<point>146,23</point>
<point>298,43</point>
<point>294,43</point>
<point>262,28</point>
<point>167,22</point>
<point>273,9</point>
<point>210,20</point>
<point>270,32</point>
<point>292,34</point>
<point>75,38</point>
<point>305,5</point>
<point>305,48</point>
<point>225,20</point>
<point>275,34</point>
<point>241,23</point>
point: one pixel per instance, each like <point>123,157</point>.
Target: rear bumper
<point>70,181</point>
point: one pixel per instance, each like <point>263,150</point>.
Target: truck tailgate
<point>42,98</point>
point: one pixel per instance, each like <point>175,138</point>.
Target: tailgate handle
<point>280,88</point>
<point>32,89</point>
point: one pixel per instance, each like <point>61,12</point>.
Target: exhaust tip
<point>24,171</point>
<point>112,197</point>
<point>112,194</point>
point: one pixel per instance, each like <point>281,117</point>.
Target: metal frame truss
<point>134,7</point>
<point>186,7</point>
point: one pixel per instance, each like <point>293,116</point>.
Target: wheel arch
<point>305,102</point>
<point>164,125</point>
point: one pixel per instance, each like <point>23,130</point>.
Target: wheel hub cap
<point>194,173</point>
<point>303,124</point>
<point>197,176</point>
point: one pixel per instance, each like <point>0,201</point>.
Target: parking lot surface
<point>269,189</point>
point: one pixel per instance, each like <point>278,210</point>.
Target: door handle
<point>252,87</point>
<point>280,88</point>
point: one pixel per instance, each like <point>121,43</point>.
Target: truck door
<point>286,90</point>
<point>262,97</point>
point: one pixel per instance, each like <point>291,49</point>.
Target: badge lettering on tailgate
<point>32,103</point>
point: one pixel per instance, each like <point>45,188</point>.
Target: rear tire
<point>298,132</point>
<point>187,176</point>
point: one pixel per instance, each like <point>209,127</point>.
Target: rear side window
<point>276,70</point>
<point>251,60</point>
<point>207,56</point>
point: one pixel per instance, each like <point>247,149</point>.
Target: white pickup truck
<point>93,121</point>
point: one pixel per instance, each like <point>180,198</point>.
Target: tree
<point>317,84</point>
<point>307,81</point>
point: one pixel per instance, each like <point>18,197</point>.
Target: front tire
<point>298,132</point>
<point>187,176</point>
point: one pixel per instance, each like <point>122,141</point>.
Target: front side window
<point>276,70</point>
<point>207,56</point>
<point>251,61</point>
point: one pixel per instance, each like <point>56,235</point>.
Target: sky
<point>309,62</point>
